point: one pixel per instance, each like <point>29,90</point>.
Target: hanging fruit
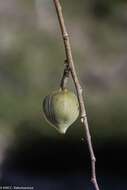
<point>61,109</point>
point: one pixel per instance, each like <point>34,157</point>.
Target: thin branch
<point>79,90</point>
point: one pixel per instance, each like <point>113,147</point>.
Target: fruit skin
<point>61,109</point>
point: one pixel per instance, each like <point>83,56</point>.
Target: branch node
<point>93,159</point>
<point>83,117</point>
<point>65,36</point>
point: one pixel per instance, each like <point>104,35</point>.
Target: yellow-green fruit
<point>61,109</point>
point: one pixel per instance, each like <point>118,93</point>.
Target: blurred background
<point>31,64</point>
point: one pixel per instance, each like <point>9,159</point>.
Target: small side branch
<point>78,87</point>
<point>65,77</point>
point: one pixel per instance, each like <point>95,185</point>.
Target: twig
<point>79,90</point>
<point>65,76</point>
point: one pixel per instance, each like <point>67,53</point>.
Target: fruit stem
<point>65,77</point>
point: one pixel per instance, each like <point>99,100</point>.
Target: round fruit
<point>61,109</point>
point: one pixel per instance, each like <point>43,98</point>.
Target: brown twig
<point>79,90</point>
